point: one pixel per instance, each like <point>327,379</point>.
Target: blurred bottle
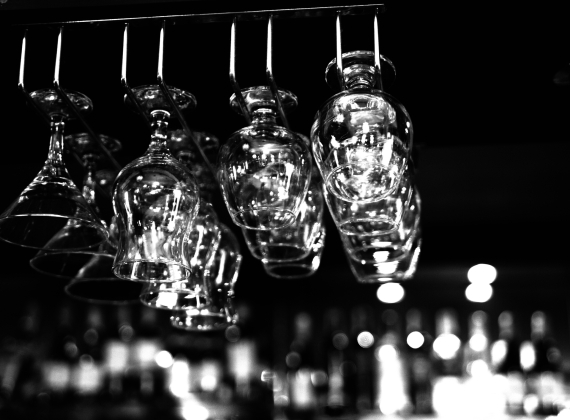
<point>447,365</point>
<point>506,362</point>
<point>362,340</point>
<point>542,358</point>
<point>420,369</point>
<point>20,376</point>
<point>339,368</point>
<point>116,354</point>
<point>146,345</point>
<point>391,395</point>
<point>300,365</point>
<point>61,360</point>
<point>481,394</point>
<point>88,374</point>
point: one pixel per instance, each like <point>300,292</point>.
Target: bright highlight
<point>390,293</point>
<point>482,274</point>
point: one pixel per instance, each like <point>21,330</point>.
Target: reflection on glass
<point>375,218</point>
<point>155,199</point>
<point>52,202</point>
<point>302,267</point>
<point>217,310</point>
<point>362,136</point>
<point>264,169</point>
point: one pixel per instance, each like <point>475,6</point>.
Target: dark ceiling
<point>492,128</point>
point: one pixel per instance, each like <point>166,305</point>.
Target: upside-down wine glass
<point>264,169</point>
<point>52,201</point>
<point>155,199</point>
<point>387,257</point>
<point>362,136</point>
<point>216,310</point>
<point>373,218</point>
<point>53,261</point>
<point>300,268</point>
<point>200,243</point>
<point>293,242</point>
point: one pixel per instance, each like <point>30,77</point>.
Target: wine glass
<point>372,218</point>
<point>184,149</point>
<point>293,242</point>
<point>217,310</point>
<point>52,201</point>
<point>361,137</point>
<point>396,269</point>
<point>96,283</point>
<point>303,267</point>
<point>155,199</point>
<point>54,261</point>
<point>200,243</point>
<point>264,169</point>
<point>386,247</point>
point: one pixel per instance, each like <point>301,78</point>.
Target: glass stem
<point>159,126</point>
<point>54,165</point>
<point>89,183</point>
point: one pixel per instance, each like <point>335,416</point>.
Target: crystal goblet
<point>303,267</point>
<point>52,201</point>
<point>264,169</point>
<point>217,310</point>
<point>155,199</point>
<point>386,247</point>
<point>200,243</point>
<point>293,242</point>
<point>396,269</point>
<point>54,261</point>
<point>374,218</point>
<point>361,137</point>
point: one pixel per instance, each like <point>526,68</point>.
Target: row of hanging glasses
<point>165,245</point>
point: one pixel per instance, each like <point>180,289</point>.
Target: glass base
<point>105,291</point>
<point>376,255</point>
<point>368,227</point>
<point>276,253</point>
<point>291,270</point>
<point>38,230</point>
<point>69,265</point>
<point>171,299</point>
<point>151,271</point>
<point>201,320</point>
<point>264,218</point>
<point>361,182</point>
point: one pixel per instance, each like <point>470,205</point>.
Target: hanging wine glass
<point>386,247</point>
<point>374,218</point>
<point>155,199</point>
<point>184,149</point>
<point>53,261</point>
<point>303,267</point>
<point>296,241</point>
<point>401,268</point>
<point>217,310</point>
<point>51,201</point>
<point>200,243</point>
<point>362,136</point>
<point>264,169</point>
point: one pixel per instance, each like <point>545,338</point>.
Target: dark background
<point>492,135</point>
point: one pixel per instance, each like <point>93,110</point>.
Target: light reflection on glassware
<point>361,137</point>
<point>294,242</point>
<point>216,310</point>
<point>264,169</point>
<point>52,202</point>
<point>300,268</point>
<point>155,199</point>
<point>374,218</point>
